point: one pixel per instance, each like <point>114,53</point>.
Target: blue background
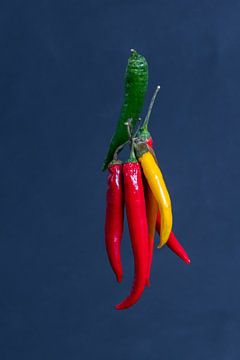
<point>61,86</point>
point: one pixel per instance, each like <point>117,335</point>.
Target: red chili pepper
<point>138,228</point>
<point>172,242</point>
<point>114,218</point>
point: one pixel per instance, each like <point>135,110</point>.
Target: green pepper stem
<point>119,148</point>
<point>132,157</point>
<point>138,128</point>
<point>145,123</point>
<point>129,125</point>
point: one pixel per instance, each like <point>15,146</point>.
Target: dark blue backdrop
<point>61,85</point>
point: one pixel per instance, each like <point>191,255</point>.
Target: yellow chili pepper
<point>157,185</point>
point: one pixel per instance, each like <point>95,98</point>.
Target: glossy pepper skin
<point>138,228</point>
<point>114,217</point>
<point>136,82</point>
<point>173,243</point>
<point>156,183</point>
<point>151,210</point>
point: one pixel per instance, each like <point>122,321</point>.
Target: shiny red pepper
<point>114,217</point>
<point>172,242</point>
<point>138,228</point>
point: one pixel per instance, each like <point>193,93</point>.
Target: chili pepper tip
<point>118,307</point>
<point>184,257</point>
<point>119,278</point>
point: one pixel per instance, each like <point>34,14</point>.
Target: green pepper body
<point>136,81</point>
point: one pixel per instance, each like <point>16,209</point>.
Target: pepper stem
<point>139,126</point>
<point>119,148</point>
<point>129,128</point>
<point>132,157</point>
<point>145,123</point>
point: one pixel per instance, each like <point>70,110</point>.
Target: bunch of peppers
<point>138,185</point>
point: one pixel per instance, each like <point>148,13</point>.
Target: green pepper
<point>136,81</point>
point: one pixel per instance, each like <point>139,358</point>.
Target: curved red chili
<point>138,228</point>
<point>173,243</point>
<point>114,218</point>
